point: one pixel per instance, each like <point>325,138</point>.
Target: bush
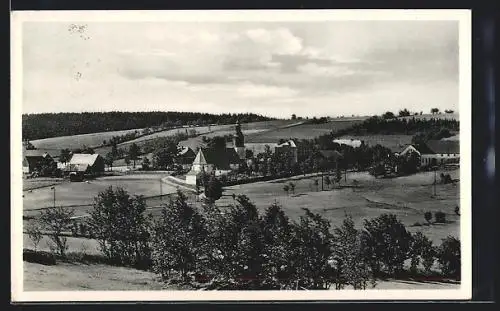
<point>34,233</point>
<point>276,231</point>
<point>311,246</point>
<point>234,245</point>
<point>386,244</point>
<point>440,217</point>
<point>422,251</point>
<point>118,223</point>
<point>178,239</point>
<point>351,268</point>
<point>40,257</point>
<point>428,216</point>
<point>57,220</point>
<point>449,257</point>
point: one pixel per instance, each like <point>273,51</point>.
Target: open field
<point>82,193</point>
<point>407,197</point>
<point>77,141</point>
<point>34,183</point>
<point>301,131</point>
<point>393,142</point>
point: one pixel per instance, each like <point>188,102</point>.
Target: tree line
<point>45,125</point>
<point>239,248</point>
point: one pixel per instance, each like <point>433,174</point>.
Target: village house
<point>289,148</point>
<point>82,164</point>
<point>435,152</point>
<point>355,143</point>
<point>33,160</point>
<point>185,157</point>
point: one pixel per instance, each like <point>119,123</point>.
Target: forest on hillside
<point>38,126</point>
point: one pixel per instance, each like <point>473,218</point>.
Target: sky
<point>316,68</point>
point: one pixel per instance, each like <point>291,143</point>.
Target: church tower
<point>239,141</point>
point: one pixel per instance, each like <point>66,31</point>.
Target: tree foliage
<point>449,257</point>
<point>57,220</point>
<point>119,224</point>
<point>386,244</point>
<point>350,265</point>
<point>37,126</point>
<point>179,238</point>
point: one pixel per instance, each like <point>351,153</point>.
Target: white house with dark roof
<point>435,152</point>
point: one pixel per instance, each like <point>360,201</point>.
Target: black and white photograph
<point>241,155</point>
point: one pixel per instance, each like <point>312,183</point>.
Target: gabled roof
<point>186,151</point>
<point>289,143</point>
<point>76,167</point>
<point>444,146</point>
<point>35,154</point>
<point>83,158</point>
<point>221,158</point>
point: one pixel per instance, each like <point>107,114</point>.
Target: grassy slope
<point>77,141</point>
<point>302,131</point>
<point>76,276</point>
<point>78,193</point>
<point>407,197</point>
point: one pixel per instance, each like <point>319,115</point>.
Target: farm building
<point>185,157</point>
<point>435,152</point>
<point>33,160</point>
<point>85,164</point>
<point>355,143</point>
<point>289,148</point>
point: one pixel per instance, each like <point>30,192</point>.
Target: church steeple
<point>239,140</point>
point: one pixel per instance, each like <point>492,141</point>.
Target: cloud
<point>271,68</point>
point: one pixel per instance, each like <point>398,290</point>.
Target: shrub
<point>428,216</point>
<point>213,189</point>
<point>422,251</point>
<point>277,232</point>
<point>118,223</point>
<point>311,246</point>
<point>43,258</point>
<point>57,220</point>
<point>440,217</point>
<point>386,243</point>
<point>449,257</point>
<point>34,233</point>
<point>234,245</point>
<point>178,239</point>
<point>351,269</point>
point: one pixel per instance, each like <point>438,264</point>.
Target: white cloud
<point>267,68</point>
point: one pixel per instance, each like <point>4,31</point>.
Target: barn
<point>82,164</point>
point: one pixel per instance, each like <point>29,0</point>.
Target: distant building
<point>33,160</point>
<point>289,148</point>
<point>218,162</point>
<point>355,143</point>
<point>185,157</point>
<point>85,164</point>
<point>435,152</point>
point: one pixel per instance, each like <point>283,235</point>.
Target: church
<point>218,161</point>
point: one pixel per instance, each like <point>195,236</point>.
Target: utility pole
<point>435,173</point>
<point>54,188</point>
<point>161,191</point>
